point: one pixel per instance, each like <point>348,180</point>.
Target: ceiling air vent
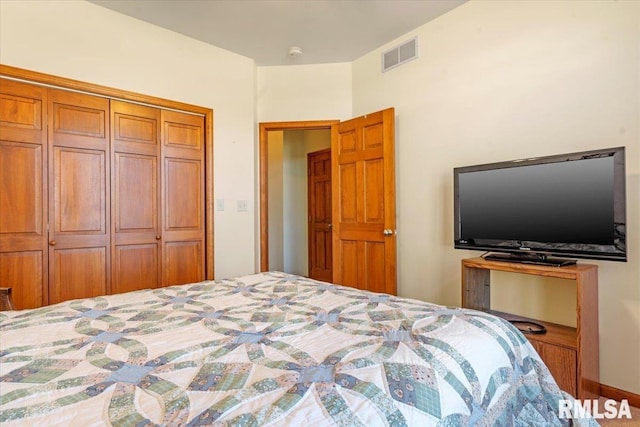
<point>400,54</point>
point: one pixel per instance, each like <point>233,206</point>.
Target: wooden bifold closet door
<point>97,196</point>
<point>183,198</point>
<point>135,146</point>
<point>23,188</point>
<point>79,234</point>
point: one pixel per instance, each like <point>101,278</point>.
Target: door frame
<point>265,128</point>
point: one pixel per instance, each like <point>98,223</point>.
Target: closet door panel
<point>136,128</point>
<point>23,272</point>
<point>182,262</point>
<point>135,267</point>
<point>80,192</point>
<point>23,196</point>
<point>78,273</point>
<point>21,112</point>
<point>81,126</point>
<point>136,197</point>
<point>79,196</point>
<point>21,201</point>
<point>183,132</point>
<point>183,184</point>
<point>184,193</point>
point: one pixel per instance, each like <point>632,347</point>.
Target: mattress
<point>269,349</point>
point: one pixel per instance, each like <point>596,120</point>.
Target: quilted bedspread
<point>268,349</point>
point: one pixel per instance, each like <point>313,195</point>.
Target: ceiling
<point>326,30</point>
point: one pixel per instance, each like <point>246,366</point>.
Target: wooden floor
<point>624,422</point>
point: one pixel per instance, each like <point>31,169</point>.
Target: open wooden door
<point>364,220</point>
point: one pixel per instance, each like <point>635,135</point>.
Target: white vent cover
<point>400,55</point>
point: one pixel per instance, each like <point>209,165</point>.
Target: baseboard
<point>617,394</point>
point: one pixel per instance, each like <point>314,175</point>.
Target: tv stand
<point>571,354</point>
<point>530,258</point>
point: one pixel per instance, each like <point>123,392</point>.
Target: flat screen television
<point>533,210</point>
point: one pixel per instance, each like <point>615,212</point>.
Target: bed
<point>268,349</point>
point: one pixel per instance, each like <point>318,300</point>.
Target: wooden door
<point>23,196</point>
<point>319,206</point>
<point>79,230</point>
<point>135,204</point>
<point>364,221</point>
<point>183,194</point>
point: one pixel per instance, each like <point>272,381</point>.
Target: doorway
<point>284,192</point>
<point>362,199</point>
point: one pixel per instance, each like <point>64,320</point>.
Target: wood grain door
<point>183,194</point>
<point>135,204</point>
<point>79,230</point>
<point>319,206</point>
<point>364,221</point>
<point>23,196</point>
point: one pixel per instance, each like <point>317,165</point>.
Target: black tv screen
<point>570,204</point>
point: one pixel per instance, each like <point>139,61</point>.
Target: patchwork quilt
<point>268,349</point>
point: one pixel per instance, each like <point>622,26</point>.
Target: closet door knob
<point>158,237</point>
<point>52,243</point>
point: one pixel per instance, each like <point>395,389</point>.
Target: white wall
<point>83,41</point>
<point>500,81</point>
<point>304,92</point>
<point>275,182</point>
